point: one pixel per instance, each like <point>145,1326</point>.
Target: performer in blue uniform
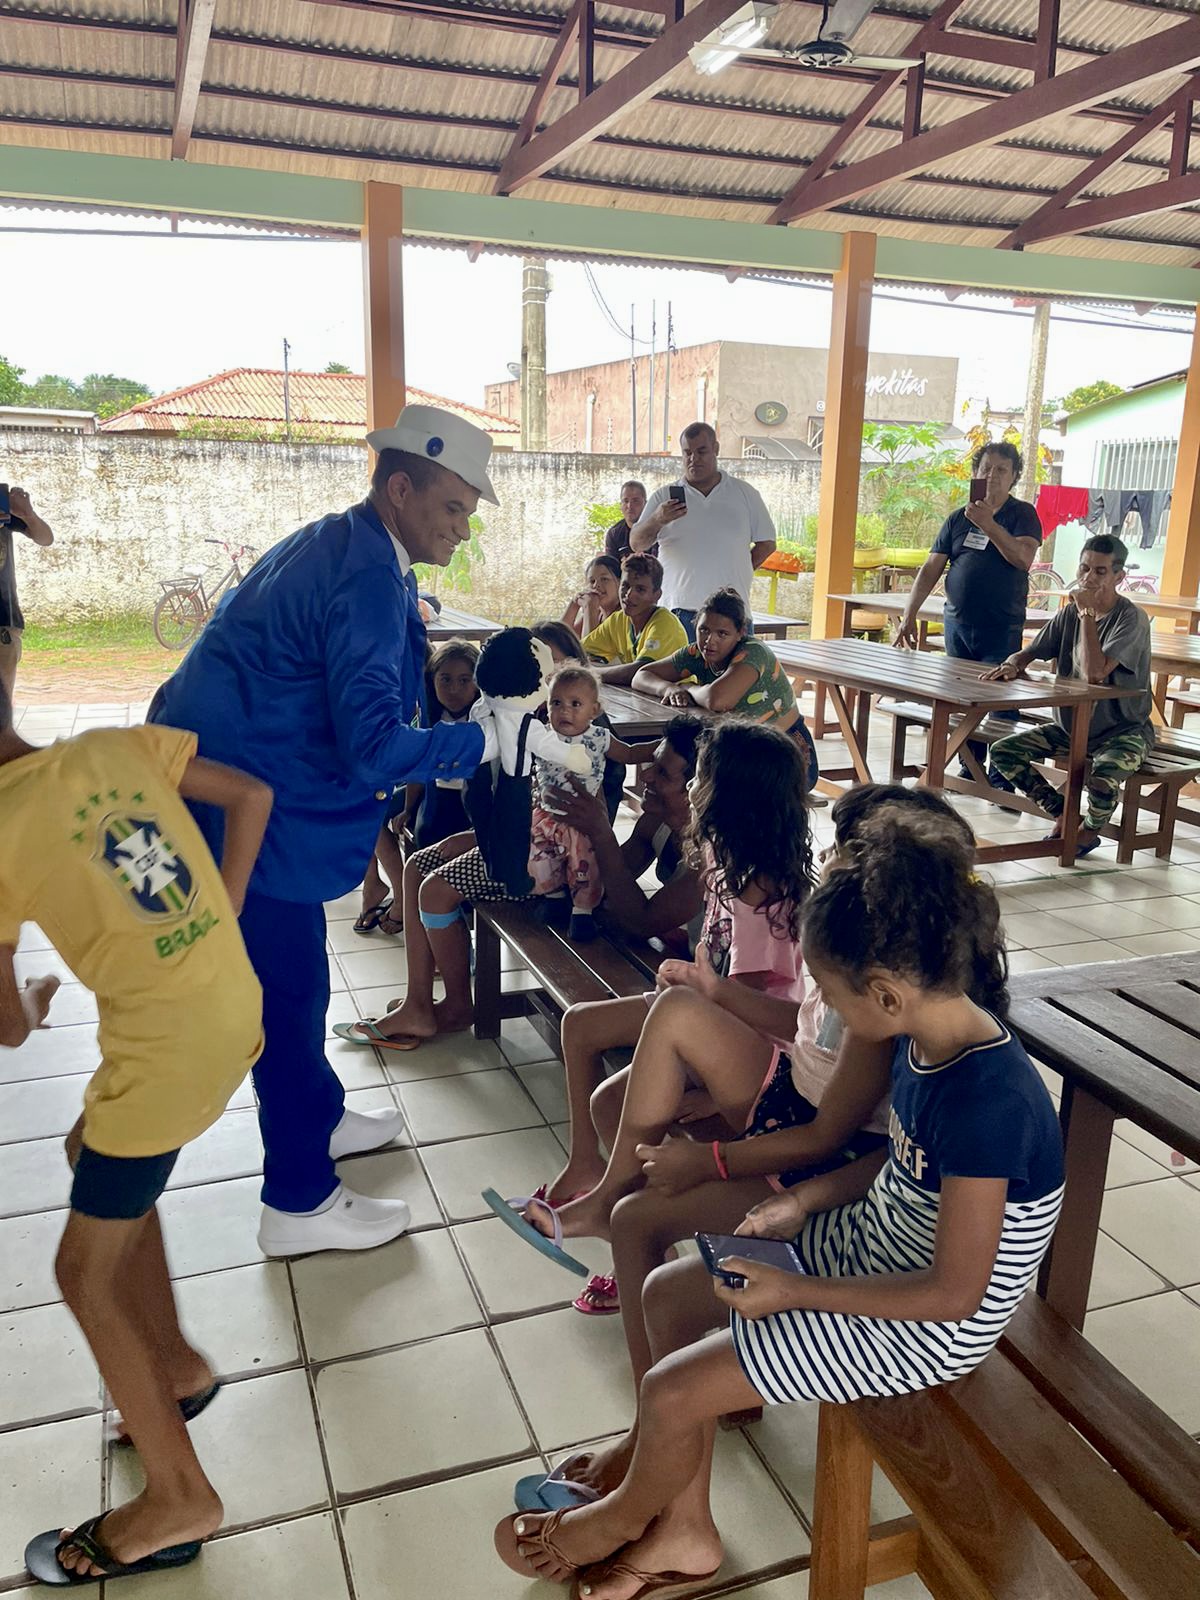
<point>310,676</point>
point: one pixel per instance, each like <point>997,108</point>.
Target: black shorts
<point>780,1105</point>
<point>119,1188</point>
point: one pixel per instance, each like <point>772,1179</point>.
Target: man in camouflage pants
<point>1101,637</point>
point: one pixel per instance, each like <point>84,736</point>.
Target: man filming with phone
<point>16,516</point>
<point>990,545</point>
<point>712,530</point>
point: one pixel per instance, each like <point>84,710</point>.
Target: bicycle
<point>186,604</point>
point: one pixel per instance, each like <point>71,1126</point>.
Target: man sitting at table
<point>1103,638</point>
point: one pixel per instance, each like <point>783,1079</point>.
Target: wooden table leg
<point>1066,1272</point>
<point>939,738</point>
<point>487,980</point>
<point>1081,719</point>
<point>849,726</point>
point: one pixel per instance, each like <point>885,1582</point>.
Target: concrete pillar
<point>841,450</point>
<point>383,301</point>
<point>535,286</point>
<point>1181,558</point>
<point>1035,394</point>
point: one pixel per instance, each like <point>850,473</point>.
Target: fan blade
<point>845,18</point>
<point>884,63</point>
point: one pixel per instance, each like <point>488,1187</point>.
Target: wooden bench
<point>1156,787</point>
<point>565,974</point>
<point>1043,1475</point>
<point>1180,702</point>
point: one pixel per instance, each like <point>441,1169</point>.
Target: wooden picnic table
<point>770,625</point>
<point>1126,1037</point>
<point>1172,655</point>
<point>950,688</point>
<point>895,605</point>
<point>635,716</point>
<point>452,624</point>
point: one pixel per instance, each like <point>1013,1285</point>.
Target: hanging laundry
<point>1058,504</point>
<point>1097,509</point>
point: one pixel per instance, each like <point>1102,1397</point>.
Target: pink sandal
<point>599,1289</point>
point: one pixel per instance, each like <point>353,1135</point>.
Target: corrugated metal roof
<point>433,96</point>
<point>333,401</point>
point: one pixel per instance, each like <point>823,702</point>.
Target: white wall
<point>128,510</point>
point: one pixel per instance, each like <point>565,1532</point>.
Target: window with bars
<point>1134,463</point>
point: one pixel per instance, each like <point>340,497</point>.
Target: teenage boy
<point>641,629</point>
<point>100,851</point>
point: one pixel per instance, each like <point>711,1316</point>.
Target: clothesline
<point>1103,510</point>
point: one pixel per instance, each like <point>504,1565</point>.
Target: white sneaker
<point>362,1130</point>
<point>352,1222</point>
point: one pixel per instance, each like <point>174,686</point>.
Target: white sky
<point>170,311</point>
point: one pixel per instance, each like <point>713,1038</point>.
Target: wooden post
<point>841,452</point>
<point>1181,559</point>
<point>383,302</point>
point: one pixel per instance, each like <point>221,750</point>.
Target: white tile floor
<point>381,1406</point>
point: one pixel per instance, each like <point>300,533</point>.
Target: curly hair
<point>740,836</point>
<point>903,895</point>
<point>1002,448</point>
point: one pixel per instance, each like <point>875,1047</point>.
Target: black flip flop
<point>42,1557</point>
<point>368,921</point>
<point>190,1407</point>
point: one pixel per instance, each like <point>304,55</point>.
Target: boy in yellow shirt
<point>640,630</point>
<point>98,848</point>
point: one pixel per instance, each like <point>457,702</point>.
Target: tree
<point>12,390</point>
<point>1086,394</point>
<point>53,392</point>
<point>918,481</point>
<point>106,394</point>
<point>337,366</point>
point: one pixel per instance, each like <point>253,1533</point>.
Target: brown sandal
<point>509,1538</point>
<point>652,1583</point>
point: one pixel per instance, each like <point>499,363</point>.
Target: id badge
<point>976,540</point>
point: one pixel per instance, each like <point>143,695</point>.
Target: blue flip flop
<point>1080,850</point>
<point>510,1215</point>
<point>554,1491</point>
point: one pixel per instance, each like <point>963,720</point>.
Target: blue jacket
<point>310,676</point>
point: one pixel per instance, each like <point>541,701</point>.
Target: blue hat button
<point>435,446</point>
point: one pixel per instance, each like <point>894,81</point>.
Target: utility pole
<point>650,390</point>
<point>666,434</point>
<point>1035,394</point>
<point>535,286</point>
<point>632,385</point>
<point>287,394</point>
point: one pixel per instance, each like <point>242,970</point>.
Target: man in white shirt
<point>712,530</point>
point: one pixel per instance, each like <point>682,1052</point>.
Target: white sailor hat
<point>440,436</point>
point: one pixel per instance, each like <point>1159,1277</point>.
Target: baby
<point>562,862</point>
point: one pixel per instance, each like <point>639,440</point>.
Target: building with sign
<point>765,401</point>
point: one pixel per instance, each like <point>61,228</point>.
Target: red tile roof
<point>334,402</point>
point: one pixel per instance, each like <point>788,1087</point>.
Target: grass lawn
<point>66,643</point>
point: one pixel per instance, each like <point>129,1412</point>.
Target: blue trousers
<point>988,643</point>
<point>300,1098</point>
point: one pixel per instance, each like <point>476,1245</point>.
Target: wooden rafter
<point>1175,50</point>
<point>1046,47</point>
<point>635,82</point>
<point>821,163</point>
<point>1117,151</point>
<point>1166,195</point>
<point>191,48</point>
<point>559,52</point>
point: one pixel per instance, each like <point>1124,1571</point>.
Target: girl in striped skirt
<point>915,1258</point>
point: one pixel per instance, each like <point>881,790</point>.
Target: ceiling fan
<point>839,23</point>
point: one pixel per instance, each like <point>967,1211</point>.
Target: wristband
<point>722,1169</point>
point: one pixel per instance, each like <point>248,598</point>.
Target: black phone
<point>714,1247</point>
<point>5,508</point>
<point>676,491</point>
<point>979,488</point>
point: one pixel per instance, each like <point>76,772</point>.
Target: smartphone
<point>5,508</point>
<point>979,488</point>
<point>676,491</point>
<point>714,1247</point>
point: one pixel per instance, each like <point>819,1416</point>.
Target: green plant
<point>601,515</point>
<point>917,483</point>
<point>456,575</point>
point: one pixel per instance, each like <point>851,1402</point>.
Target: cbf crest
<point>145,864</point>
